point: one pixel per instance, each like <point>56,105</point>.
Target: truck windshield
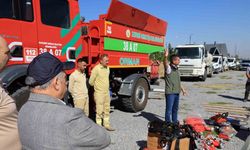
<point>230,60</point>
<point>188,52</point>
<point>17,9</point>
<point>215,60</point>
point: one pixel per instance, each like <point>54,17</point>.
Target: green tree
<point>160,55</point>
<point>157,56</point>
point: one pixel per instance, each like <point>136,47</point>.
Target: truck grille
<point>186,71</point>
<point>186,65</point>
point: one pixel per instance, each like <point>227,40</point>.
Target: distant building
<point>217,49</point>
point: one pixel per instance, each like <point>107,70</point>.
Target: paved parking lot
<point>131,128</point>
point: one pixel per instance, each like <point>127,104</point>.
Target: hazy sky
<point>223,21</point>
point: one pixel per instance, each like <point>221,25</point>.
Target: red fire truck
<point>128,35</point>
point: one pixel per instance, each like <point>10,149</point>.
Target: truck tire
<point>139,97</point>
<point>21,96</point>
<point>204,77</point>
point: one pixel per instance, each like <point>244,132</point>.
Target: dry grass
<point>211,92</point>
<point>185,107</point>
<point>241,76</point>
<point>219,103</point>
<point>216,86</point>
<point>225,77</point>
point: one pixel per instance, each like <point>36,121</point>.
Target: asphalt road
<point>131,128</point>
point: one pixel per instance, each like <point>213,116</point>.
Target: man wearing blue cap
<point>45,122</point>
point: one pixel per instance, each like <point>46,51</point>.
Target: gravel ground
<point>131,128</point>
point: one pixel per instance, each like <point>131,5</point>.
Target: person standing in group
<point>78,87</point>
<point>100,80</point>
<point>173,87</point>
<point>9,137</point>
<point>247,84</point>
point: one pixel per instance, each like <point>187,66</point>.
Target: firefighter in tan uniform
<point>100,80</point>
<point>78,87</point>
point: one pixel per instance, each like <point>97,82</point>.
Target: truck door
<point>58,29</point>
<point>29,30</point>
<point>18,27</point>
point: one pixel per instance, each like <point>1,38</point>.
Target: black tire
<point>204,77</point>
<point>139,98</point>
<point>21,96</point>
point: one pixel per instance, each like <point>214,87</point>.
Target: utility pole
<point>190,38</point>
<point>235,49</point>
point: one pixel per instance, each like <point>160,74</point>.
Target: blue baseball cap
<point>45,67</point>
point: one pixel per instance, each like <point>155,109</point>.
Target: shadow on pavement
<point>190,79</point>
<point>231,97</point>
<point>150,116</point>
<point>243,134</point>
<point>117,104</point>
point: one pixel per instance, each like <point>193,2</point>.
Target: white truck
<point>195,61</point>
<point>217,64</point>
<point>232,63</point>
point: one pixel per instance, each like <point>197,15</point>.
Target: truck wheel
<point>139,98</point>
<point>204,77</point>
<point>21,96</point>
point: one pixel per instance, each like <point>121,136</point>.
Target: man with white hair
<point>45,122</point>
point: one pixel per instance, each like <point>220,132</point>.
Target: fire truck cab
<point>33,27</point>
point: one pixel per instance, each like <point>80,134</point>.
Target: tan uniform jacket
<point>9,137</point>
<point>77,85</point>
<point>100,79</point>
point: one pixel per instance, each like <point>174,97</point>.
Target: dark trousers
<point>247,90</point>
<point>172,106</point>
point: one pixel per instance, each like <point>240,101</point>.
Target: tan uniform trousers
<point>82,104</point>
<point>102,109</point>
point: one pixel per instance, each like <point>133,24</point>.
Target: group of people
<point>99,79</point>
<point>45,122</point>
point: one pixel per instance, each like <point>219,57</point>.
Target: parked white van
<point>217,64</point>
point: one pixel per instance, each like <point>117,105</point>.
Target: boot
<point>109,128</point>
